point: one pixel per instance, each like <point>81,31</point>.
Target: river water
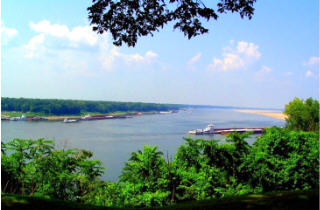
<point>112,141</point>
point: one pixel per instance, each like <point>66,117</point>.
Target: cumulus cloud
<point>34,45</point>
<point>151,54</point>
<point>137,58</point>
<point>109,59</point>
<point>193,60</point>
<point>7,33</point>
<point>71,46</point>
<point>82,34</point>
<point>236,57</point>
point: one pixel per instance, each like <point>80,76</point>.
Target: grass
<point>294,200</point>
<point>308,200</point>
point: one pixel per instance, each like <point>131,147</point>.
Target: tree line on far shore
<point>76,107</point>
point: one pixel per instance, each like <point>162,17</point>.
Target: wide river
<point>112,141</point>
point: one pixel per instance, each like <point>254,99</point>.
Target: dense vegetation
<point>76,107</point>
<point>202,169</point>
<point>303,114</point>
<point>281,159</point>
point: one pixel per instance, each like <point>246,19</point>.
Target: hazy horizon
<point>209,105</point>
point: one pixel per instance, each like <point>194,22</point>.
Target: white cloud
<point>34,45</point>
<point>109,59</point>
<point>35,42</point>
<point>151,54</point>
<point>309,74</point>
<point>7,33</point>
<point>248,49</point>
<point>313,61</point>
<point>193,60</point>
<point>313,66</point>
<point>82,34</point>
<point>236,58</point>
<point>262,73</point>
<point>134,58</point>
<point>81,50</point>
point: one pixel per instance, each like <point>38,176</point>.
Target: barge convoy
<point>210,130</point>
<point>73,119</point>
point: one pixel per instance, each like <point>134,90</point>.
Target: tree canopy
<point>77,107</point>
<point>303,114</point>
<point>129,19</point>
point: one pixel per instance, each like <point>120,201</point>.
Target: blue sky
<point>49,51</point>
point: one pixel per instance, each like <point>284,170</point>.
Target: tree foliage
<point>285,160</point>
<point>279,160</point>
<point>303,114</point>
<point>35,167</point>
<point>129,19</point>
<point>76,107</point>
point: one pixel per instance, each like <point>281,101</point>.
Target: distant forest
<point>75,107</point>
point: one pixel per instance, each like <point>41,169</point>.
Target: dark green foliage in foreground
<point>303,114</point>
<point>279,160</point>
<point>76,107</point>
<point>276,200</point>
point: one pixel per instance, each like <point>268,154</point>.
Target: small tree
<point>285,160</point>
<point>143,179</point>
<point>302,115</point>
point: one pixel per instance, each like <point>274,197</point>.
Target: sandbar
<point>269,113</point>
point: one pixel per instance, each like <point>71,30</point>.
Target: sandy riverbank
<point>274,114</point>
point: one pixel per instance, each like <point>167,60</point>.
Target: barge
<point>210,130</point>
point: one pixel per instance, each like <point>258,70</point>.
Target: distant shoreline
<point>267,113</point>
<point>87,116</point>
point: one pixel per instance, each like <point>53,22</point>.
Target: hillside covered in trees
<point>76,107</point>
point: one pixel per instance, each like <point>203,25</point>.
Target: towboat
<point>87,117</point>
<point>208,130</point>
<point>224,131</point>
<point>66,120</point>
<point>22,118</point>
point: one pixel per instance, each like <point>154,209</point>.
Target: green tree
<point>206,169</point>
<point>303,114</point>
<point>127,20</point>
<point>143,179</point>
<point>35,167</point>
<point>285,160</point>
